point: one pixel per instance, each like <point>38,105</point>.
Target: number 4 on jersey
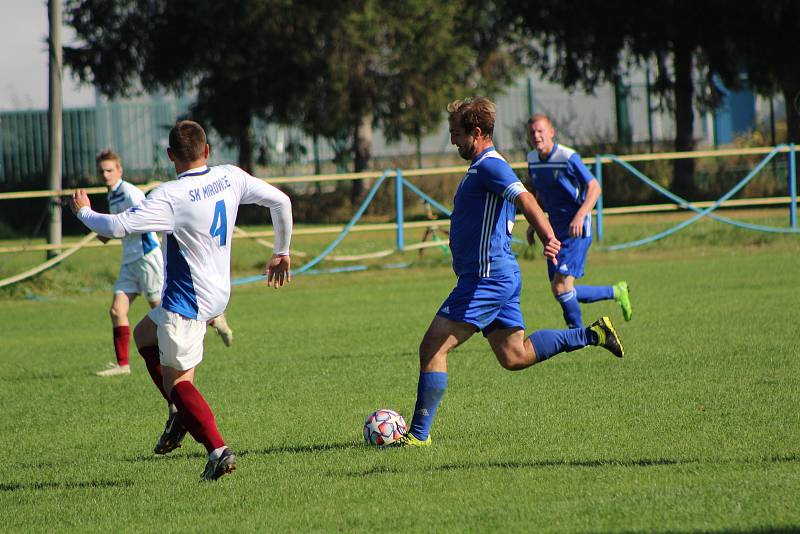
<point>219,226</point>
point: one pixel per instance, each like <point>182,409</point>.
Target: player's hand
<point>576,225</point>
<point>79,200</point>
<point>278,272</point>
<point>530,235</point>
<point>551,249</point>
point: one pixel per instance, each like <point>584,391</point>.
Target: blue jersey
<point>483,217</point>
<point>560,183</point>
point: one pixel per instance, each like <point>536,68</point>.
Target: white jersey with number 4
<point>197,213</point>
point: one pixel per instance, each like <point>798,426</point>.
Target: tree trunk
<point>362,146</point>
<point>683,169</point>
<point>791,96</point>
<point>245,143</point>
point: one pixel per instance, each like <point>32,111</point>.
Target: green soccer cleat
<point>607,337</point>
<point>622,295</point>
<point>408,440</point>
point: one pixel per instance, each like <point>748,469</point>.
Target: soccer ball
<point>383,427</point>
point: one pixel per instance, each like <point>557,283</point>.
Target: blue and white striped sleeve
<point>513,191</point>
<point>576,167</point>
<point>500,179</point>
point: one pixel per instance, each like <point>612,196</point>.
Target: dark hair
<point>470,113</point>
<point>187,140</point>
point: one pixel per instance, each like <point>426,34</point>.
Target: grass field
<point>697,429</point>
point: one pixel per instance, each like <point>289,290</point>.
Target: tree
<point>584,45</point>
<point>338,68</point>
<point>395,66</point>
<point>233,54</point>
<point>771,29</point>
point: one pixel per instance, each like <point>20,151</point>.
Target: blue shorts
<point>571,258</point>
<point>487,303</point>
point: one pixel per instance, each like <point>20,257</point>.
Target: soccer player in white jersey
<point>142,269</point>
<point>567,191</point>
<point>196,214</point>
<point>486,296</point>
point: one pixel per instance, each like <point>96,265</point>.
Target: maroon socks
<point>196,415</point>
<point>153,362</point>
<point>122,340</point>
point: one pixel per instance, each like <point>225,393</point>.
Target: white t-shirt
<point>197,213</point>
<point>121,197</point>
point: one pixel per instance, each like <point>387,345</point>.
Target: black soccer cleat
<point>221,466</point>
<point>173,434</point>
<point>607,337</point>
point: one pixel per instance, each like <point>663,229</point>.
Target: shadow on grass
<point>241,453</point>
<point>466,466</point>
<point>758,530</point>
<point>91,484</point>
<point>301,449</point>
<point>39,376</point>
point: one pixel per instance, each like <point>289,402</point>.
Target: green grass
<point>696,429</point>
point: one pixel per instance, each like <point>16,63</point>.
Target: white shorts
<point>180,340</point>
<point>144,276</point>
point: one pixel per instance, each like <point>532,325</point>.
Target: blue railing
<point>683,203</point>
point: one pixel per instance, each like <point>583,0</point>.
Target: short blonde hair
<point>108,155</point>
<point>471,113</point>
<point>540,117</point>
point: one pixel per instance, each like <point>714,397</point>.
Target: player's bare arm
<point>577,223</point>
<point>278,270</point>
<point>538,220</point>
<point>530,234</point>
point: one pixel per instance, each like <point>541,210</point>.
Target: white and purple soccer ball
<point>383,427</point>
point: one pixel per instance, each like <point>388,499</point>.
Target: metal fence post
<point>792,187</point>
<point>598,173</point>
<point>398,194</point>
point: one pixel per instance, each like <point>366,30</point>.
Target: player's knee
<point>137,336</point>
<point>144,334</point>
<point>116,313</point>
<point>557,288</point>
<point>513,363</point>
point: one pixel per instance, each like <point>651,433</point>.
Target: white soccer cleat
<point>221,326</point>
<point>112,369</point>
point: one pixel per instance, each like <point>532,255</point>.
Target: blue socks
<point>548,343</point>
<point>571,307</point>
<point>430,389</point>
<point>570,301</point>
<point>594,293</point>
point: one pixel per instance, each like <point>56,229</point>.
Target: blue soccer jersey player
<point>567,191</point>
<point>486,296</point>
